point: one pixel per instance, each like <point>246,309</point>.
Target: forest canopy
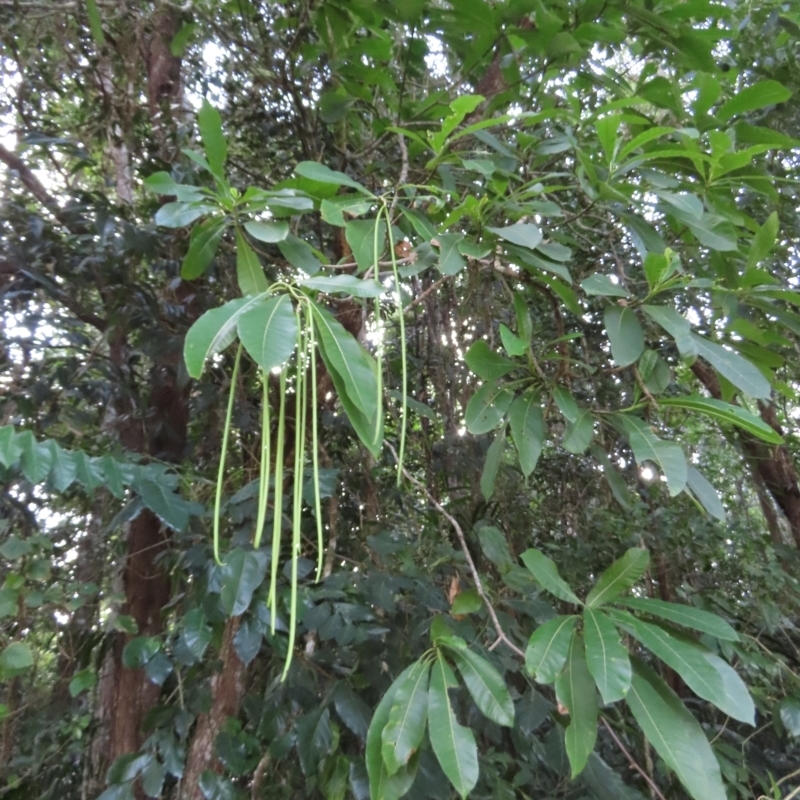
<point>399,399</point>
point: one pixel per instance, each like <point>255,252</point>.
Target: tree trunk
<point>227,687</point>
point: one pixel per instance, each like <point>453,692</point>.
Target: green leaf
<point>314,738</point>
<point>764,93</point>
<point>95,22</point>
<point>575,691</point>
<point>81,681</point>
<point>269,232</point>
<point>566,403</point>
<point>495,547</point>
<point>619,488</point>
<point>242,573</point>
<point>203,244</point>
<point>213,332</point>
<point>606,657</point>
<point>705,493</point>
<point>524,324</point>
<point>210,124</point>
<point>688,616</point>
<point>323,174</point>
<point>15,548</point>
<point>405,727</point>
<point>513,345</point>
<point>675,734</point>
<point>152,778</point>
<point>738,370</point>
<point>487,408</point>
<point>685,659</point>
<point>763,241</point>
<point>352,710</point>
<point>578,433</point>
<point>546,573</point>
<point>453,744</point>
<point>10,447</point>
<point>725,412</point>
<point>466,602</point>
<point>171,508</point>
<point>383,786</point>
<point>669,456</point>
<point>16,657</point>
<point>451,262</point>
<point>197,633</point>
<point>487,364</point>
<point>36,459</point>
<point>520,233</point>
<point>179,215</point>
<point>548,648</point>
<point>249,271</point>
<point>485,684</point>
<point>360,235</point>
<point>139,651</point>
<point>527,428</point>
<point>738,702</point>
<point>603,285</point>
<point>268,331</point>
<point>300,254</point>
<point>619,577</point>
<point>491,466</point>
<point>625,334</point>
<point>345,284</point>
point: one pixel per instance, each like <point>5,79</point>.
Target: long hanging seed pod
<point>263,492</point>
<point>297,498</point>
<point>224,451</point>
<point>312,356</point>
<point>278,502</point>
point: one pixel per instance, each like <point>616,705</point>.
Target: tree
<point>406,391</point>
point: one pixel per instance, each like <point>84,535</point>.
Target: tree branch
<point>501,634</point>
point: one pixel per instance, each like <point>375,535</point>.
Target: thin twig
<point>632,761</point>
<point>432,288</point>
<point>472,568</point>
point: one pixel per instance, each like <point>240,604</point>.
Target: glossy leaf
<point>619,577</point>
<point>527,429</point>
<point>269,232</point>
<point>491,466</point>
<point>323,174</point>
<point>606,657</point>
<point>763,241</point>
<point>451,262</point>
<point>487,364</point>
<point>669,456</point>
<point>268,331</point>
<point>249,271</point>
<point>725,412</point>
<point>351,363</point>
<point>16,657</point>
<point>485,684</point>
<point>743,374</point>
<point>179,215</point>
<point>170,507</point>
<point>35,458</point>
<point>705,493</point>
<point>546,573</point>
<point>603,285</point>
<point>520,233</point>
<point>687,616</point>
<point>698,674</point>
<point>203,246</point>
<point>548,648</point>
<point>405,727</point>
<point>10,447</point>
<point>625,334</point>
<point>578,433</point>
<point>210,124</point>
<point>241,574</point>
<point>345,284</point>
<point>759,95</point>
<point>487,408</point>
<point>213,332</point>
<point>300,254</point>
<point>382,786</point>
<point>675,734</point>
<point>576,692</point>
<point>453,744</point>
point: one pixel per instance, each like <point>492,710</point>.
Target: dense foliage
<point>399,399</point>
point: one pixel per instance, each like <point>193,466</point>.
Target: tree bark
<point>227,687</point>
